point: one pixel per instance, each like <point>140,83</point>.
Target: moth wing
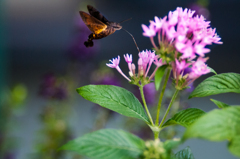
<point>94,12</point>
<point>95,25</point>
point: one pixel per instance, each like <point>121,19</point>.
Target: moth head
<point>116,26</point>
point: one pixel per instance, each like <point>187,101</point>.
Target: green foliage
<point>184,154</point>
<point>107,144</point>
<point>114,98</point>
<point>221,83</point>
<point>219,104</point>
<point>218,125</point>
<point>185,117</point>
<point>234,145</point>
<point>159,75</point>
<point>171,144</point>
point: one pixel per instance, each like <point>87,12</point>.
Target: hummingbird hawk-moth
<point>98,24</point>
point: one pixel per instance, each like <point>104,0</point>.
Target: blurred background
<point>43,60</point>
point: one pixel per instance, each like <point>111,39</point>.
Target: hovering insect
<point>98,24</point>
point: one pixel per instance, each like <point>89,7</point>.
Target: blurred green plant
<point>12,102</point>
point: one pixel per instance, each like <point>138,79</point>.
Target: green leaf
<point>184,154</point>
<point>185,117</point>
<point>221,83</point>
<point>212,70</point>
<point>219,104</point>
<point>218,125</point>
<point>114,98</point>
<point>107,144</point>
<point>234,146</point>
<point>159,75</point>
<point>171,144</point>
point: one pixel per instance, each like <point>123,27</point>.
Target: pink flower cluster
<point>146,59</point>
<point>188,35</point>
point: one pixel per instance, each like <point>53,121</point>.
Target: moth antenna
<point>133,39</point>
<point>125,20</point>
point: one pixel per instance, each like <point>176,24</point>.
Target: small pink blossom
<point>182,65</point>
<point>188,51</point>
<point>140,66</point>
<point>200,49</point>
<point>158,62</point>
<point>151,56</point>
<point>171,32</point>
<point>149,31</point>
<point>199,68</point>
<point>144,56</point>
<point>158,22</point>
<point>128,59</point>
<point>114,62</point>
<point>172,18</point>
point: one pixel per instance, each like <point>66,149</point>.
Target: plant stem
<point>169,107</point>
<point>161,96</point>
<point>145,105</point>
<point>156,134</point>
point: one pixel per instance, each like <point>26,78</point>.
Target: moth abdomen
<point>88,43</point>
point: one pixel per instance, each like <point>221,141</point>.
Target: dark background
<point>35,38</point>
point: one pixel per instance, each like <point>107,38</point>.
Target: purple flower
<point>53,88</point>
<point>200,10</point>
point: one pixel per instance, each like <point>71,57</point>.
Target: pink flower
<point>171,32</point>
<point>114,62</point>
<point>200,49</point>
<point>140,67</point>
<point>128,59</point>
<point>181,66</point>
<point>151,56</point>
<point>188,51</point>
<point>199,68</point>
<point>186,33</point>
<point>158,62</point>
<point>149,32</point>
<point>158,22</point>
<point>145,61</point>
<point>145,57</point>
<point>172,18</point>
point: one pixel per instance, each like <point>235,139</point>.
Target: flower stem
<point>145,105</point>
<point>153,43</point>
<point>169,107</point>
<point>161,96</point>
